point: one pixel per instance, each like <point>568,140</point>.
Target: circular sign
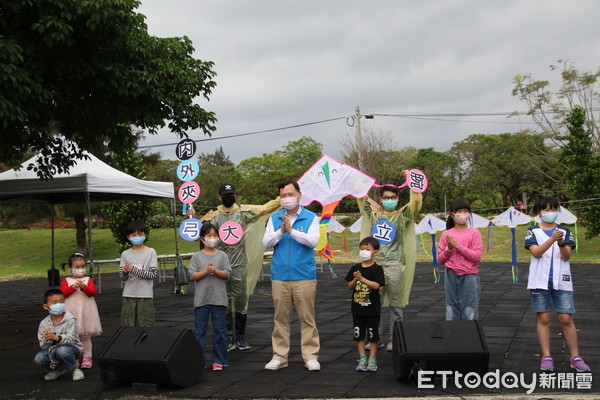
<point>231,232</point>
<point>384,231</point>
<point>187,170</point>
<point>185,149</point>
<point>189,192</point>
<point>190,229</point>
<point>417,181</point>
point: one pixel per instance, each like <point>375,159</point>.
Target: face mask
<point>136,241</point>
<point>461,219</point>
<point>289,203</point>
<point>365,255</point>
<point>227,201</point>
<point>549,217</point>
<point>389,204</point>
<point>78,272</point>
<point>211,243</point>
<point>57,309</point>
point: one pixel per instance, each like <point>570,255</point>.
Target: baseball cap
<point>226,188</point>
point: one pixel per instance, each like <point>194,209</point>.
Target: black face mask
<point>227,201</point>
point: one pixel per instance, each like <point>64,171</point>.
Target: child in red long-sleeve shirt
<point>79,291</point>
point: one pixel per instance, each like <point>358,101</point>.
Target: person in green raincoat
<point>398,257</point>
<point>238,283</point>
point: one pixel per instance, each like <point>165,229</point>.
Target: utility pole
<point>359,146</point>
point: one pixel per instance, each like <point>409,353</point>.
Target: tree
<point>583,169</point>
<point>549,110</point>
<point>120,213</point>
<point>261,175</point>
<point>441,171</point>
<point>382,157</point>
<point>497,169</point>
<point>75,75</point>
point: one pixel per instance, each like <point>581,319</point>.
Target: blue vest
<point>291,260</point>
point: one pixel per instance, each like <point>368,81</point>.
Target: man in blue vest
<point>293,234</point>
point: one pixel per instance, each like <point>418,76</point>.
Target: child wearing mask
<point>365,279</point>
<point>137,269</point>
<point>550,282</point>
<point>79,291</point>
<point>460,249</point>
<point>209,270</point>
<point>58,338</point>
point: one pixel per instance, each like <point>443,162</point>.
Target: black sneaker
<point>230,343</point>
<point>240,343</point>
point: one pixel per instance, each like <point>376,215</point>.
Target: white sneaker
<point>274,365</point>
<point>390,346</point>
<point>313,365</point>
<point>78,374</point>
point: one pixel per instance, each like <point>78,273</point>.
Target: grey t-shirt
<point>210,289</point>
<point>139,283</point>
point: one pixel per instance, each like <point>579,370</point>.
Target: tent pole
<point>90,250</point>
<point>53,266</point>
<point>174,212</point>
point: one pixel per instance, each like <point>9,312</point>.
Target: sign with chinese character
<point>231,232</point>
<point>416,180</point>
<point>189,192</point>
<point>187,170</point>
<point>190,229</point>
<point>185,149</point>
<point>384,231</point>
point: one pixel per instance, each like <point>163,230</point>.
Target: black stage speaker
<point>439,346</point>
<point>169,356</point>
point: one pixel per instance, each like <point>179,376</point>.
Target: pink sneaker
<point>578,365</point>
<point>217,367</point>
<point>547,364</point>
<point>86,363</point>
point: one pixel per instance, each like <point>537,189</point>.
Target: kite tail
<point>326,215</point>
<point>515,267</point>
<point>436,269</point>
<point>333,274</point>
<point>326,252</point>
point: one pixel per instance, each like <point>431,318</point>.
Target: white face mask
<point>211,243</point>
<point>289,203</point>
<point>365,255</point>
<point>461,219</point>
<point>78,271</point>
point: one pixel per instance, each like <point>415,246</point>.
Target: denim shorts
<point>549,300</point>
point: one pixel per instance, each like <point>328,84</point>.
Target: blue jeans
<point>219,331</point>
<point>462,296</point>
<point>66,354</point>
<point>560,301</point>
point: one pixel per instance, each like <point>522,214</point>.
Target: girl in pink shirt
<point>460,250</point>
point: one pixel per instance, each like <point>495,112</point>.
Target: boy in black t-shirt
<point>365,279</point>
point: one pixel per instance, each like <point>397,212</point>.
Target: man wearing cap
<point>237,294</point>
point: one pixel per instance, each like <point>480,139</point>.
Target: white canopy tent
<point>89,181</point>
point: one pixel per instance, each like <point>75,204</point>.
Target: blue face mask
<point>136,241</point>
<point>57,309</point>
<point>549,217</point>
<point>389,204</point>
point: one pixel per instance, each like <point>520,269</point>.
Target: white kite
<point>512,218</point>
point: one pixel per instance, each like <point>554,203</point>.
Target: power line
<point>417,115</point>
<point>249,133</point>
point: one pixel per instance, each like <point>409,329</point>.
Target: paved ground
<point>508,324</point>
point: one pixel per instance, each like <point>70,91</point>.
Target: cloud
<point>281,63</point>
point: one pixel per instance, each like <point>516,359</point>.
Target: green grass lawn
<point>500,249</point>
<point>27,254</point>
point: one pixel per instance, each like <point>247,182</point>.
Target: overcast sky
<point>282,63</point>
